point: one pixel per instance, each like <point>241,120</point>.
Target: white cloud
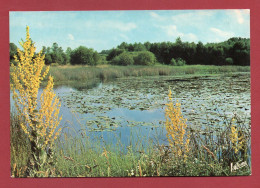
<point>109,24</point>
<point>172,31</point>
<point>195,18</point>
<point>241,14</point>
<point>124,26</point>
<point>222,34</point>
<point>190,37</point>
<point>124,37</point>
<point>70,36</point>
<point>156,16</point>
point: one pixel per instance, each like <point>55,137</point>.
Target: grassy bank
<point>63,74</point>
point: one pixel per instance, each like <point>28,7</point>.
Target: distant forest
<point>234,51</point>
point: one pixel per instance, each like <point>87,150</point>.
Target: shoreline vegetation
<point>81,74</point>
<point>40,148</point>
<point>223,153</point>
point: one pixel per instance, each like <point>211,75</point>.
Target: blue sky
<point>107,29</point>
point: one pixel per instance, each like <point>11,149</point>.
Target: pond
<point>135,106</point>
<point>132,109</point>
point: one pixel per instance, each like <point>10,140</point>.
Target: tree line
<point>234,51</point>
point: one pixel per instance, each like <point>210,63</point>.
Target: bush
<point>145,58</point>
<point>84,56</point>
<point>123,59</point>
<point>113,53</point>
<point>173,62</point>
<point>229,61</point>
<point>178,62</point>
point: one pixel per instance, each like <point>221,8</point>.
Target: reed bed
<point>63,74</point>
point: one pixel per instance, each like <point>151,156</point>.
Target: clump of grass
<point>19,147</point>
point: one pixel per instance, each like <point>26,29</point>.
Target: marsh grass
<point>19,147</point>
<point>68,73</point>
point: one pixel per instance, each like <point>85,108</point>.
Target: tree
<point>97,58</point>
<point>123,59</point>
<point>84,56</point>
<point>147,45</point>
<point>123,46</point>
<point>145,58</point>
<point>57,54</point>
<point>199,57</point>
<point>68,53</point>
<point>113,53</point>
<point>44,50</point>
<point>139,47</point>
<point>241,53</point>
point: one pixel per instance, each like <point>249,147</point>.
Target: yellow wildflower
<point>176,126</point>
<point>27,76</point>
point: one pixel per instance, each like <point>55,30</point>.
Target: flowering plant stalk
<point>238,140</point>
<point>176,126</point>
<point>40,117</point>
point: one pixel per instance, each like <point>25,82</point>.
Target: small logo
<point>238,166</point>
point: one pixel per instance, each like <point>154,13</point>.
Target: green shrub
<point>178,62</point>
<point>229,61</point>
<point>84,56</point>
<point>145,58</point>
<point>173,62</point>
<point>113,53</point>
<point>123,59</point>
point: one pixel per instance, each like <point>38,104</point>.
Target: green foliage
<point>13,52</point>
<point>173,62</point>
<point>136,47</point>
<point>123,59</point>
<point>145,58</point>
<point>103,59</point>
<point>48,59</point>
<point>113,53</point>
<point>55,55</point>
<point>178,62</point>
<point>84,56</point>
<point>229,61</point>
<point>209,54</point>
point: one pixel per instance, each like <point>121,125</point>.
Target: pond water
<point>130,109</point>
